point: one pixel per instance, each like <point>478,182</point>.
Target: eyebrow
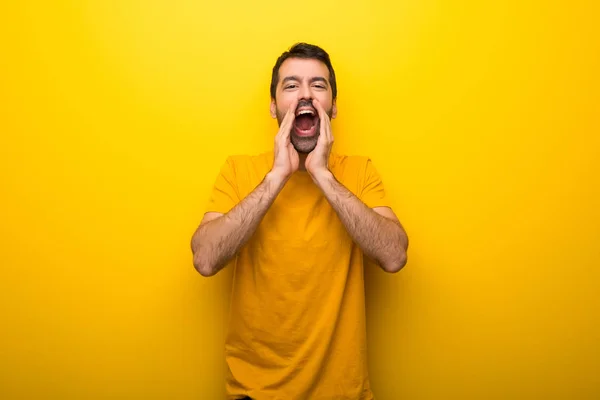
<point>297,78</point>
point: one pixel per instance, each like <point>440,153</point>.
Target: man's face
<point>305,80</point>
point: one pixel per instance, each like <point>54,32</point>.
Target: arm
<point>220,236</point>
<point>377,231</point>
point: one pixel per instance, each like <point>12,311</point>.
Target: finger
<point>288,120</point>
<point>291,112</point>
<point>286,123</point>
<point>319,108</point>
<point>321,141</point>
<point>292,149</point>
<point>325,122</point>
<point>293,106</point>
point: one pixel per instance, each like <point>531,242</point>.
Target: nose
<point>305,93</point>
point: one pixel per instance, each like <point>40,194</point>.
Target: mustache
<point>305,103</point>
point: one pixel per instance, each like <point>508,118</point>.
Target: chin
<point>304,145</point>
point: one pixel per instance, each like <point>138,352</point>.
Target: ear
<point>333,110</point>
<point>273,109</point>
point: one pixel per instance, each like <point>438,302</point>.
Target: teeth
<point>306,112</point>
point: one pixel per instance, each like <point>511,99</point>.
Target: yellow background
<point>482,117</point>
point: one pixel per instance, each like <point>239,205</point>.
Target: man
<point>297,221</point>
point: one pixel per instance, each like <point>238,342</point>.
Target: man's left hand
<point>317,162</point>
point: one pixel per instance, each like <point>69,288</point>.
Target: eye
<point>290,86</point>
<point>319,86</point>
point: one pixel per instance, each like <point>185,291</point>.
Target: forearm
<point>216,242</point>
<point>380,238</point>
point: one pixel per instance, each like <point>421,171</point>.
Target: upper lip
<point>303,110</point>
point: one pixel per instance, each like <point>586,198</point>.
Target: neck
<point>302,159</point>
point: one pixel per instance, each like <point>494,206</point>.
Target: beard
<point>303,144</point>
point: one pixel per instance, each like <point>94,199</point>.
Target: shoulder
<point>242,162</point>
<point>246,171</point>
<point>351,170</point>
<point>349,164</point>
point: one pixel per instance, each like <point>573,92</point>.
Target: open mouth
<point>306,121</point>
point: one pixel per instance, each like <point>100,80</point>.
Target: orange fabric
<point>297,319</point>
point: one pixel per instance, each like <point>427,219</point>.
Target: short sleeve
<point>225,194</point>
<point>372,192</point>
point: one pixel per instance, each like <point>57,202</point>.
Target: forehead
<point>303,68</point>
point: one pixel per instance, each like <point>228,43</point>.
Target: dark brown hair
<point>306,51</point>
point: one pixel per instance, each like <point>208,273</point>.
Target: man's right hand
<point>286,160</point>
<point>220,237</point>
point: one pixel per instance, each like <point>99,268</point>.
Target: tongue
<point>304,122</point>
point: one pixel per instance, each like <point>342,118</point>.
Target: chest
<point>302,214</point>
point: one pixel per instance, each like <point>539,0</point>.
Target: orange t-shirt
<point>297,318</point>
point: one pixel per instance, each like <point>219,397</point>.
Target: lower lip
<point>306,133</point>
